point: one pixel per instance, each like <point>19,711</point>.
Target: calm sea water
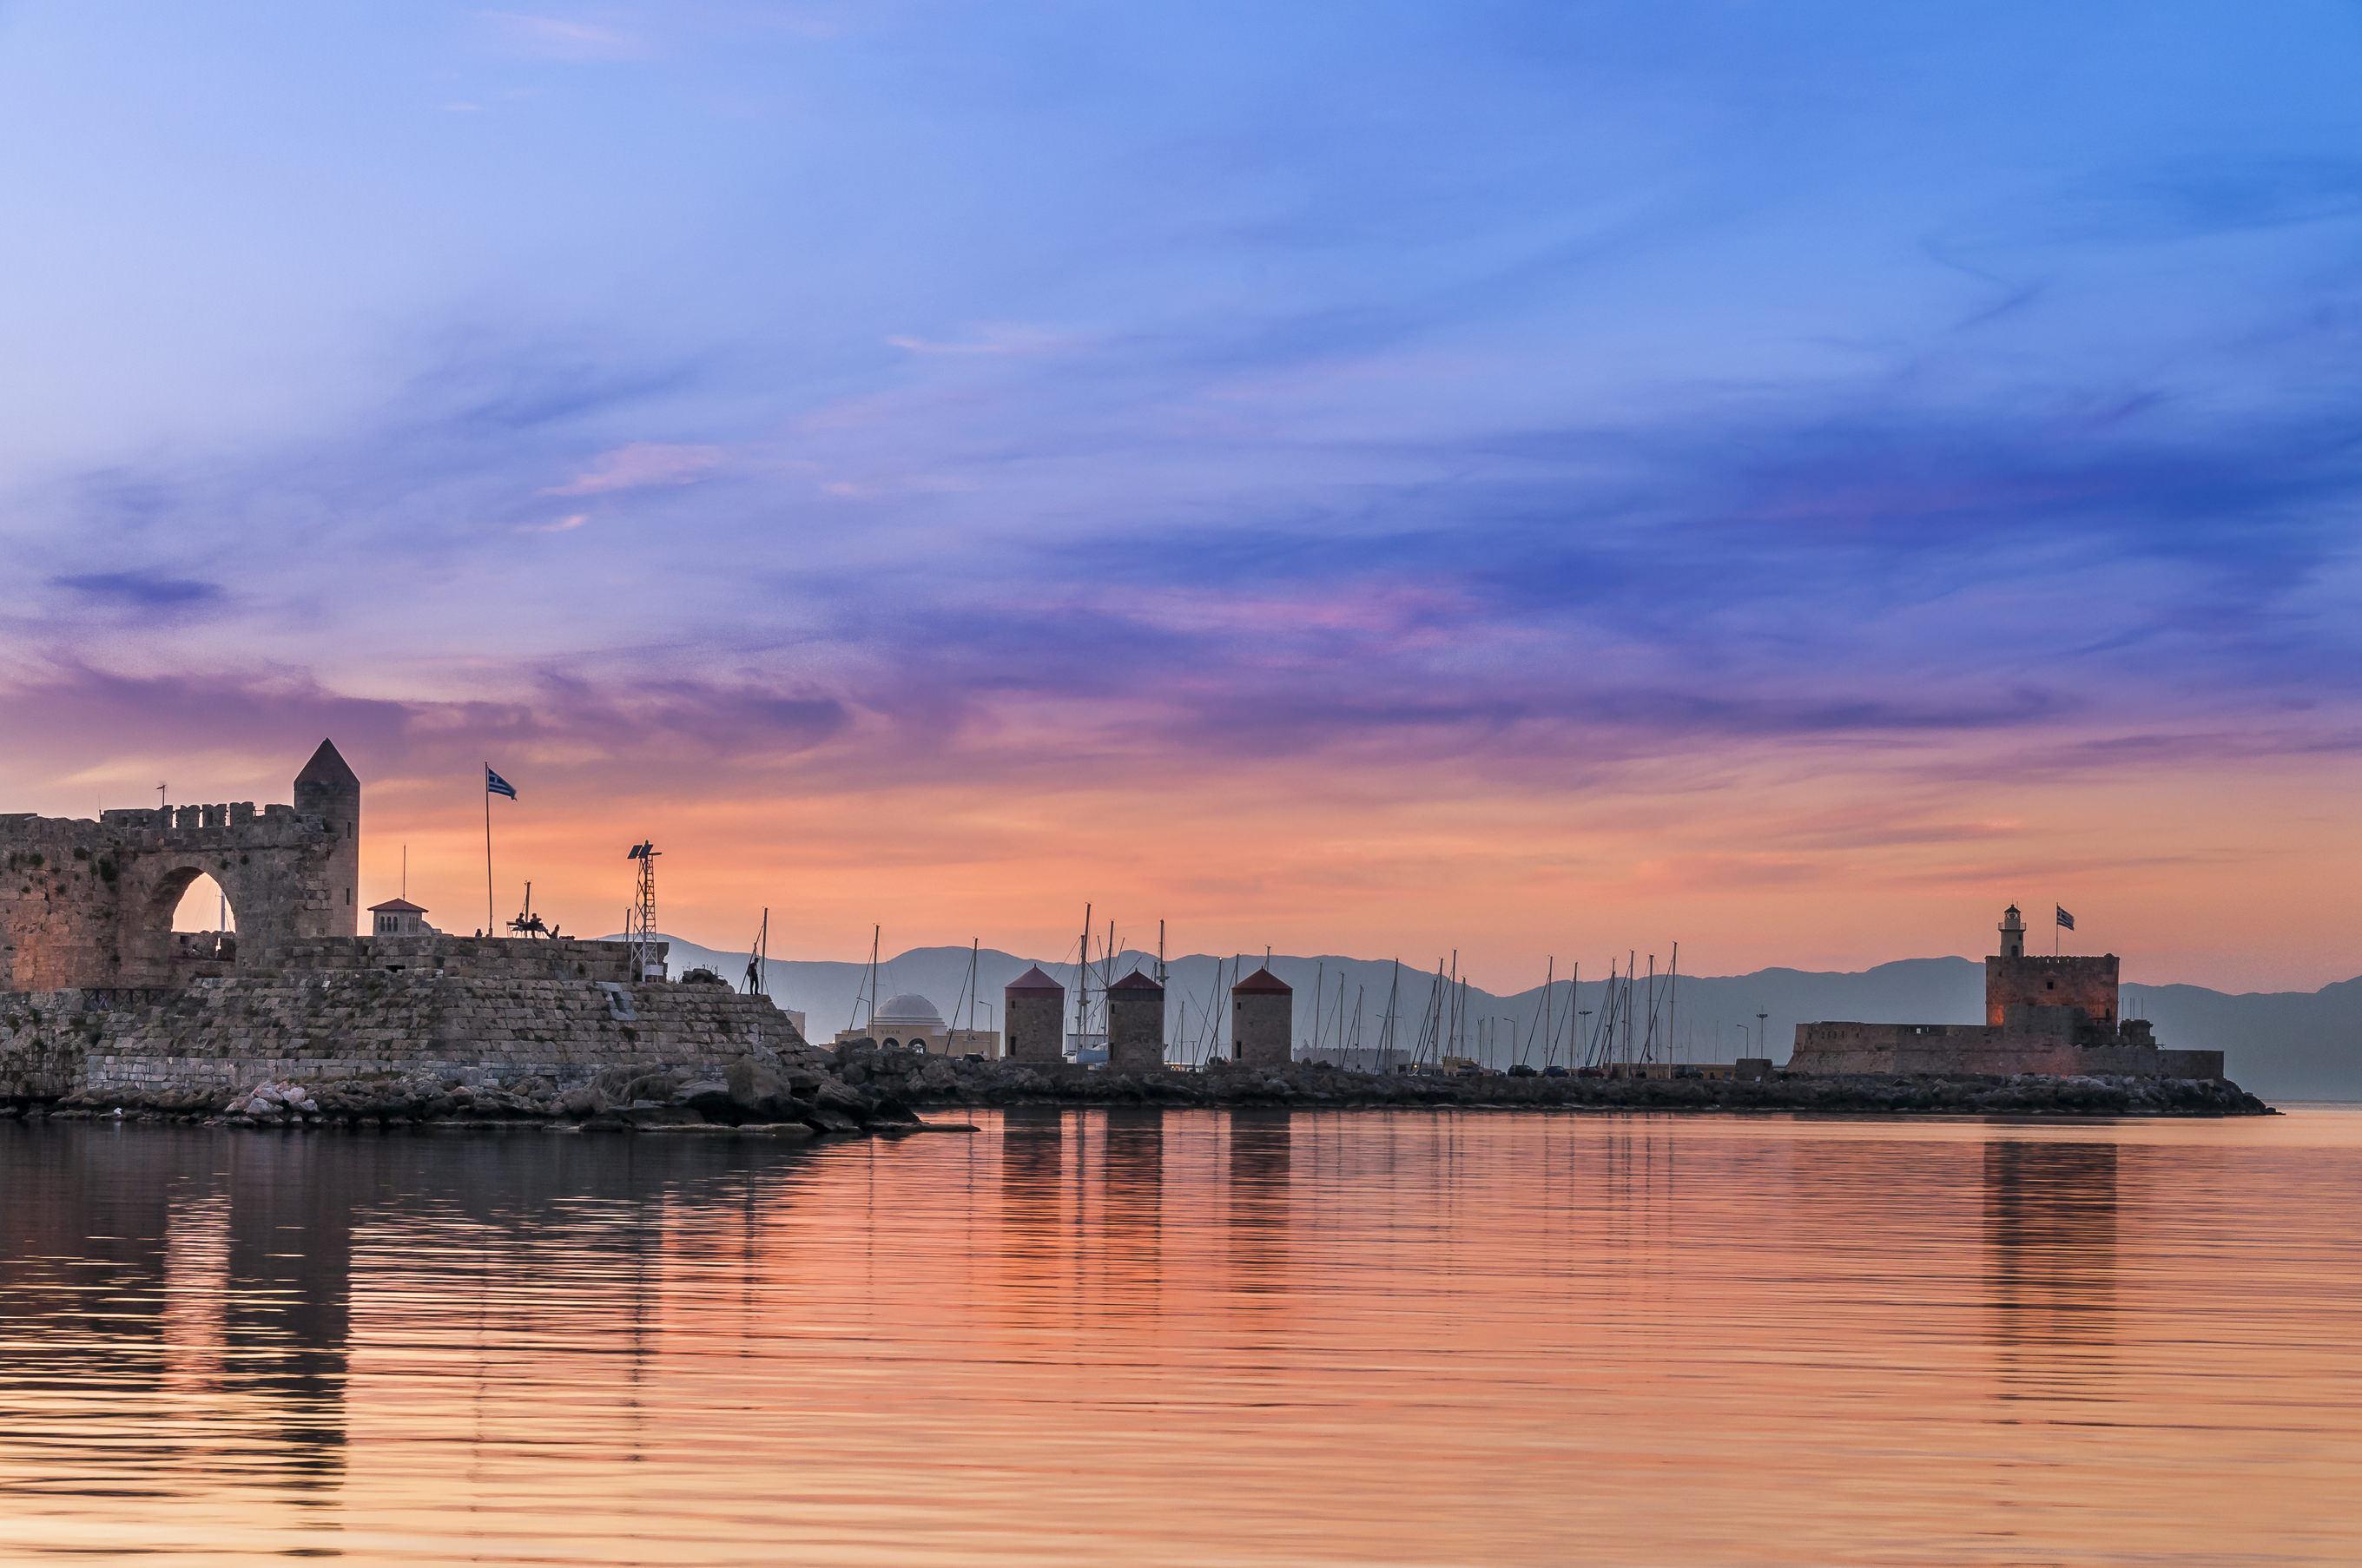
<point>1199,1337</point>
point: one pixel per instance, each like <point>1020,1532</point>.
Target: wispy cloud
<point>641,465</point>
<point>562,37</point>
<point>142,590</point>
<point>1003,340</point>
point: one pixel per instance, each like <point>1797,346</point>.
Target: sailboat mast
<point>1083,979</point>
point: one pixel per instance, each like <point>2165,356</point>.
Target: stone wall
<point>2085,983</point>
<point>1262,1024</point>
<point>87,903</point>
<point>481,957</point>
<point>1136,1021</point>
<point>1036,1025</point>
<point>149,1046</point>
<point>1985,1049</point>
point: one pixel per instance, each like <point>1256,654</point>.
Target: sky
<point>1536,481</point>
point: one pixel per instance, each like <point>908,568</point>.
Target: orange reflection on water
<point>1089,1336</point>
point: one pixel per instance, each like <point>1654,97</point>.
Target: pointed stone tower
<point>1136,1024</point>
<point>1034,1014</point>
<point>329,790</point>
<point>1262,1020</point>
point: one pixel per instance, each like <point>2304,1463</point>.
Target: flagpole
<point>488,849</point>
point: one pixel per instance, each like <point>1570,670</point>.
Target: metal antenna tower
<point>640,934</point>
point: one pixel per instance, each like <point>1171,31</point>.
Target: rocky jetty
<point>938,1081</point>
<point>861,1089</point>
<point>773,1097</point>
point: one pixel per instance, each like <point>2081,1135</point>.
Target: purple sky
<point>1667,465</point>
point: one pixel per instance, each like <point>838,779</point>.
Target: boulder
<point>891,1112</point>
<point>703,1095</point>
<point>844,1097</point>
<point>759,1089</point>
<point>661,1116</point>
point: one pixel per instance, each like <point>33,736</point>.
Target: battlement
<point>89,903</point>
<point>188,819</point>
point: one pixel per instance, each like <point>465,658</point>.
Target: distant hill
<point>2280,1044</point>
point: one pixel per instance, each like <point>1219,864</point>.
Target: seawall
<point>1986,1049</point>
<point>154,1047</point>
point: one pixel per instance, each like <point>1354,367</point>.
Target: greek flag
<point>2066,919</point>
<point>496,785</point>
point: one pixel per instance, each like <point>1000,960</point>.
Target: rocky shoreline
<point>863,1089</point>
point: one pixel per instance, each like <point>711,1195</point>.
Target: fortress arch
<point>89,904</point>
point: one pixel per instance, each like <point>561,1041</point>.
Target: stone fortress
<point>99,999</point>
<point>2049,1015</point>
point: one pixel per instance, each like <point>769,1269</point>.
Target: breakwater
<point>938,1082</point>
<point>860,1088</point>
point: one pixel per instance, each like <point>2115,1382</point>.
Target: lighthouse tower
<point>2012,934</point>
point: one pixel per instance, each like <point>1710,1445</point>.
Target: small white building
<point>398,917</point>
<point>911,1022</point>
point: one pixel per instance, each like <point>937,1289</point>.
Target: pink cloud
<point>642,465</point>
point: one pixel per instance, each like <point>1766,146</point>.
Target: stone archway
<point>161,955</point>
<point>90,904</point>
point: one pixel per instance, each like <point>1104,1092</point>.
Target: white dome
<point>907,1009</point>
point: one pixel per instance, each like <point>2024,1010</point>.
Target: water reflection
<point>1262,1148</point>
<point>1090,1337</point>
<point>2050,1232</point>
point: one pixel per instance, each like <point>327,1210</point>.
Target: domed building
<point>910,1021</point>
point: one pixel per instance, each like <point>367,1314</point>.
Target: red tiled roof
<point>1262,982</point>
<point>1035,983</point>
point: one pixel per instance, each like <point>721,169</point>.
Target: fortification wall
<point>479,957</point>
<point>1982,1048</point>
<point>2086,983</point>
<point>87,903</point>
<point>152,1046</point>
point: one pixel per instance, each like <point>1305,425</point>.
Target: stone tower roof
<point>1262,982</point>
<point>327,767</point>
<point>1035,983</point>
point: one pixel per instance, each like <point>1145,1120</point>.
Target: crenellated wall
<point>86,903</point>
